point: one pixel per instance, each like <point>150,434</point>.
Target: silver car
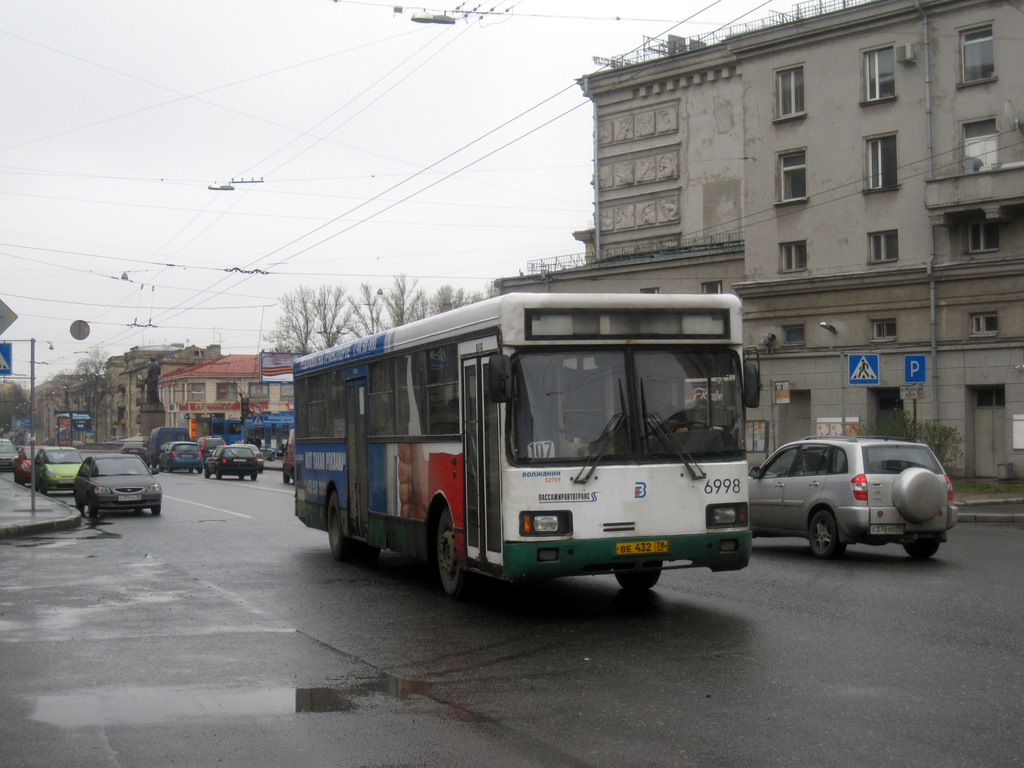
<point>853,490</point>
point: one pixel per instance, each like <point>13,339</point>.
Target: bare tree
<point>448,297</point>
<point>405,301</point>
<point>89,384</point>
<point>312,319</point>
<point>366,311</point>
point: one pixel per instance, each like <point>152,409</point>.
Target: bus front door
<point>481,454</point>
<point>356,464</point>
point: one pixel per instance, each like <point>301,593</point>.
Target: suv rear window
<point>893,459</point>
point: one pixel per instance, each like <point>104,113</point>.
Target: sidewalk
<point>17,517</point>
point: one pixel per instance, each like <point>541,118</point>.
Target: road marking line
<point>207,506</point>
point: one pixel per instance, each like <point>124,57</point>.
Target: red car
<point>23,465</point>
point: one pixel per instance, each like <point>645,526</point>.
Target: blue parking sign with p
<point>915,369</point>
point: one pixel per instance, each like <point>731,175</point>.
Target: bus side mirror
<point>499,378</point>
<point>751,385</point>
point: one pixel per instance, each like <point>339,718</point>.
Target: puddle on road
<point>86,532</point>
<point>148,706</point>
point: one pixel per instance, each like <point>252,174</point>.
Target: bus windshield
<point>655,403</point>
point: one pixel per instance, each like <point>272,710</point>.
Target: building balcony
<point>996,194</point>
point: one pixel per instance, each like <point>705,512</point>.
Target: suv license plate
<point>886,528</point>
<point>131,497</point>
<point>640,547</point>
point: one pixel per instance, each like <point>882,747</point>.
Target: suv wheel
<point>824,536</point>
<point>921,549</point>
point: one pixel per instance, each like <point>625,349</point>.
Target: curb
<point>44,526</point>
<point>990,517</point>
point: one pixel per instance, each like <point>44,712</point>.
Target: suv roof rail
<point>855,438</point>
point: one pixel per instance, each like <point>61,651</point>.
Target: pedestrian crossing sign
<point>864,368</point>
<point>5,360</point>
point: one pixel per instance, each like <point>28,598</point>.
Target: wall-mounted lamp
<point>829,327</point>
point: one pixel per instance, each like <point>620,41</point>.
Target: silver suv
<point>853,490</point>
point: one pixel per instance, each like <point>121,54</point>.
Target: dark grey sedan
<point>121,481</point>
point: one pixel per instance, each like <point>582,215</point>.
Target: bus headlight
<point>554,523</point>
<point>726,515</point>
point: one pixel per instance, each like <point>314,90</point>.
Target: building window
<point>287,390</point>
<point>883,330</point>
<point>650,290</point>
<point>789,87</point>
<point>879,74</point>
<point>793,176</point>
<point>793,335</point>
<point>257,389</point>
<point>793,256</point>
<point>882,162</point>
<point>977,53</point>
<point>982,236</point>
<point>990,397</point>
<point>883,246</point>
<point>984,324</point>
<point>224,390</point>
<point>198,390</point>
<point>981,141</point>
<point>711,286</point>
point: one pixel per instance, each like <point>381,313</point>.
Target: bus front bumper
<point>540,560</point>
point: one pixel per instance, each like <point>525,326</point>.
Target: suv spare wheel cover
<point>918,494</point>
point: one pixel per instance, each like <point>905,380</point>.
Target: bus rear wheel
<point>638,581</point>
<point>454,578</point>
<point>343,548</point>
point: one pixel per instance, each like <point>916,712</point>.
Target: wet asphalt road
<point>221,633</point>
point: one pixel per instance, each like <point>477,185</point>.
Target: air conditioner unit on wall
<point>905,54</point>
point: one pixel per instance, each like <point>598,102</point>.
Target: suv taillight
<point>949,488</point>
<point>860,487</point>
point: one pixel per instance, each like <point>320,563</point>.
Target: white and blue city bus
<point>532,436</point>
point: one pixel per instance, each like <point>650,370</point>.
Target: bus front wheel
<point>638,581</point>
<point>343,548</point>
<point>454,578</point>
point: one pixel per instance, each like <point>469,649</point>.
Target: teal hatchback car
<point>180,455</point>
<point>56,467</point>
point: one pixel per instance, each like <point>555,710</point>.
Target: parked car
<point>158,437</point>
<point>853,490</point>
<point>134,447</point>
<point>56,467</point>
<point>23,465</point>
<point>117,481</point>
<point>288,463</point>
<point>180,455</point>
<point>235,459</point>
<point>207,444</point>
<point>8,455</point>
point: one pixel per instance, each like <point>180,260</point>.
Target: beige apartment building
<point>854,171</point>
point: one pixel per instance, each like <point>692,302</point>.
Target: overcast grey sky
<point>451,153</point>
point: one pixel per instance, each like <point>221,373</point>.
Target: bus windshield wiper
<point>656,425</point>
<point>600,448</point>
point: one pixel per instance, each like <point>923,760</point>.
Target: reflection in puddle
<point>341,699</point>
<point>148,706</point>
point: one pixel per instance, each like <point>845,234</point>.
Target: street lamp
<point>842,371</point>
<point>432,18</point>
